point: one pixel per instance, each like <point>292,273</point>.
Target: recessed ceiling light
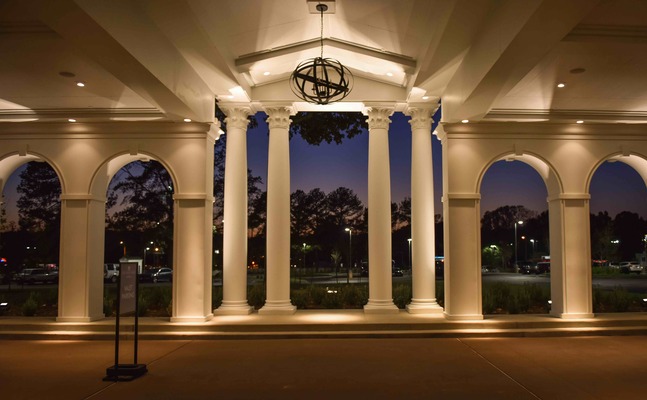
<point>71,120</point>
<point>389,74</point>
<point>80,84</point>
<point>579,122</point>
<point>561,85</point>
<point>187,119</point>
<point>465,121</point>
<point>266,73</point>
<point>425,97</point>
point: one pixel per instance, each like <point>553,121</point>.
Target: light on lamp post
<point>515,241</point>
<point>350,250</point>
<point>409,240</point>
<point>121,242</point>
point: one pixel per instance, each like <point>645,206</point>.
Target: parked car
<point>110,272</point>
<point>542,267</point>
<point>156,275</point>
<point>633,267</point>
<point>397,272</point>
<point>31,276</point>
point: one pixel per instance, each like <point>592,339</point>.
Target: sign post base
<point>125,372</point>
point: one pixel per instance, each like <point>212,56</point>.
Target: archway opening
<point>515,244</point>
<point>139,229</point>
<point>618,224</point>
<point>30,228</point>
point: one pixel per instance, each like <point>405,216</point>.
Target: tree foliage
<point>39,201</point>
<point>318,127</point>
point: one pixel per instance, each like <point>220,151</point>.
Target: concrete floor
<point>473,368</point>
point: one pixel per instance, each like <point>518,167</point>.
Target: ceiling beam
<point>516,36</point>
<point>132,48</point>
<point>247,60</point>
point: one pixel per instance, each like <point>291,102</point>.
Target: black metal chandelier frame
<point>321,80</point>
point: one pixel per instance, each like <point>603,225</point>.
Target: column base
<point>573,315</point>
<point>424,306</point>
<point>283,307</point>
<point>79,319</point>
<point>234,308</point>
<point>463,317</point>
<point>192,319</point>
<point>380,307</point>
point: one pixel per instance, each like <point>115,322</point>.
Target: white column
<point>278,213</point>
<point>380,297</point>
<point>423,274</point>
<point>192,242</point>
<point>234,274</point>
<point>570,256</point>
<point>462,237</point>
<point>80,288</point>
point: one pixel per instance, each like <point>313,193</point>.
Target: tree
<point>497,226</point>
<point>630,229</point>
<point>142,195</point>
<point>306,211</point>
<point>39,201</point>
<point>343,208</point>
<point>39,211</point>
<point>318,127</point>
<point>602,247</point>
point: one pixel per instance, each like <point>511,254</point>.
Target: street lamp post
<point>532,241</point>
<point>350,256</point>
<point>515,241</point>
<point>409,240</point>
<point>124,245</point>
<point>145,251</point>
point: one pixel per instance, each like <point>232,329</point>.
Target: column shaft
<point>234,275</point>
<point>570,258</point>
<point>379,213</point>
<point>422,215</point>
<point>278,214</point>
<point>192,282</point>
<point>80,289</point>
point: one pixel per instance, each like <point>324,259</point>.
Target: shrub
<point>256,296</point>
<point>333,300</point>
<point>402,295</point>
<point>351,296</point>
<point>299,298</point>
<point>30,306</point>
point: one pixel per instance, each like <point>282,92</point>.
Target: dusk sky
<point>615,187</point>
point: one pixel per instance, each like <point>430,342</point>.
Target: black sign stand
<point>128,286</point>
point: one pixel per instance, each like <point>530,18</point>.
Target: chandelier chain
<point>321,35</point>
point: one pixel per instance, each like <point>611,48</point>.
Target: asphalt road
<point>632,283</point>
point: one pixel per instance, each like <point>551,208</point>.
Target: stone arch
<point>13,160</point>
<point>545,170</point>
<point>635,161</point>
<point>107,170</point>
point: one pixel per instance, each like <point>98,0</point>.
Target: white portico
<point>513,79</point>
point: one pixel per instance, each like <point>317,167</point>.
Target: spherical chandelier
<point>321,80</point>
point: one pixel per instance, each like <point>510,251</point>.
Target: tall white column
<point>278,213</point>
<point>234,274</point>
<point>80,290</point>
<point>462,238</point>
<point>380,294</point>
<point>570,256</point>
<point>423,274</point>
<point>192,242</point>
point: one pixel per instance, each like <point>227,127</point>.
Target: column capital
<point>378,115</point>
<point>237,114</point>
<point>278,115</point>
<point>421,118</point>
